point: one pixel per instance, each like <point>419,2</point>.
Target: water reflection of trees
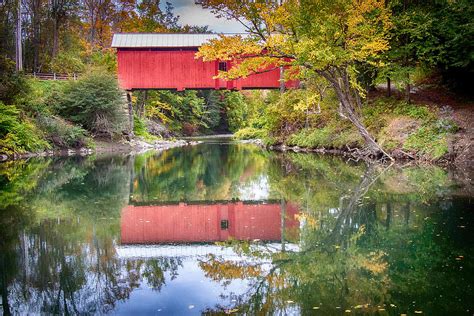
<point>58,238</point>
<point>206,172</point>
<point>368,237</point>
<point>369,242</point>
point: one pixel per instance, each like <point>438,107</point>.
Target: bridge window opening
<point>224,224</point>
<point>223,66</point>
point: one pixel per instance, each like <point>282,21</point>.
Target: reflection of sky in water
<point>258,189</point>
<point>189,293</point>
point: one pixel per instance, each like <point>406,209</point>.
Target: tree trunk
<point>407,89</point>
<point>389,87</point>
<point>55,38</point>
<point>282,82</point>
<point>36,5</point>
<point>141,113</point>
<point>19,51</point>
<point>347,98</point>
<point>130,111</point>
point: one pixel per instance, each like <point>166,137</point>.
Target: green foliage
<point>236,109</point>
<point>429,141</point>
<point>140,129</point>
<point>177,109</point>
<point>433,35</point>
<point>61,133</point>
<point>193,111</point>
<point>214,107</point>
<point>41,96</point>
<point>250,133</point>
<point>95,101</point>
<point>67,62</point>
<point>395,124</point>
<point>327,137</point>
<point>104,59</point>
<point>12,84</point>
<point>18,134</point>
<point>257,102</point>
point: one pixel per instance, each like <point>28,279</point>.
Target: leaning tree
<point>308,38</point>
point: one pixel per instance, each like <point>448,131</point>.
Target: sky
<point>194,14</point>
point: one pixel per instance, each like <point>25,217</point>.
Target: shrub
<point>62,133</point>
<point>140,129</point>
<point>321,137</point>
<point>414,111</point>
<point>428,141</point>
<point>236,110</point>
<point>11,83</point>
<point>250,133</point>
<point>18,134</point>
<point>67,62</point>
<point>95,101</point>
<point>41,95</point>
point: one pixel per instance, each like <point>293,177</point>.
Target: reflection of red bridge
<point>185,223</point>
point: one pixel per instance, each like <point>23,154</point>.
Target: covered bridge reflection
<point>217,221</point>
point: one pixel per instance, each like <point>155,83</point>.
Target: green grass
<point>140,129</point>
<point>428,141</point>
<point>328,137</point>
<point>250,133</point>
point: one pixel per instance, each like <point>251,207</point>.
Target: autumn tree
<point>311,38</point>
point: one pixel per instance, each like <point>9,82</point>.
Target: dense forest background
<point>68,35</point>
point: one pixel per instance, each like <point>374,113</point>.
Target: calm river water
<point>227,228</point>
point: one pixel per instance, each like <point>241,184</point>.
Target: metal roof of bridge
<point>162,39</point>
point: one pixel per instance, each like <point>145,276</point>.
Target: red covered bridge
<point>167,61</point>
<point>188,223</point>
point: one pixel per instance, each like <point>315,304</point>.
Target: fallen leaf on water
<point>230,311</point>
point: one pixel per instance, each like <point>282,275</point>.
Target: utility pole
<point>18,50</point>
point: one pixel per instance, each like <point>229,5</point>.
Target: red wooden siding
<point>202,223</point>
<point>178,69</point>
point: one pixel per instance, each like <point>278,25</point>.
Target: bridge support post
<point>130,111</point>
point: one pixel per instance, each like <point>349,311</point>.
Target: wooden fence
<point>54,76</point>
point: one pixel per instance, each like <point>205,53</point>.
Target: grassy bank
<point>418,130</point>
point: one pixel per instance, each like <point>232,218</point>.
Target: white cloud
<point>193,14</point>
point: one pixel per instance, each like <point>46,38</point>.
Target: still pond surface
<point>227,228</point>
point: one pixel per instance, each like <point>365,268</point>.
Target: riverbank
<point>435,127</point>
<point>134,146</point>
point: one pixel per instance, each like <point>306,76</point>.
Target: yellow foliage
<point>311,34</point>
